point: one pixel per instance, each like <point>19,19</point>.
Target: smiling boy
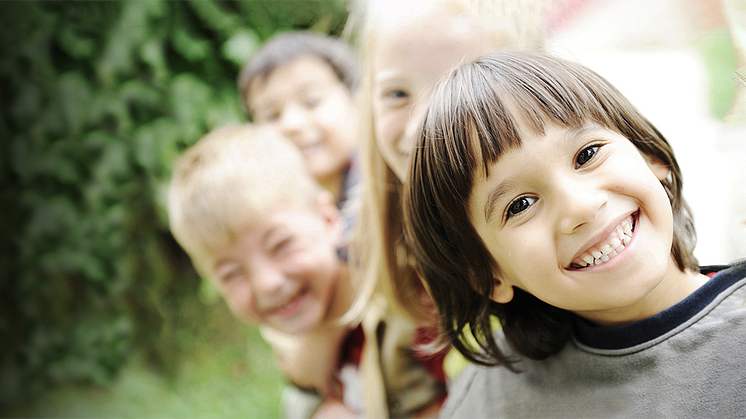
<point>538,194</point>
<point>259,228</point>
<point>303,85</point>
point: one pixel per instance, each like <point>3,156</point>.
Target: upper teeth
<point>605,251</point>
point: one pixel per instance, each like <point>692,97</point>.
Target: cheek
<point>240,303</point>
<point>337,115</point>
<point>388,129</point>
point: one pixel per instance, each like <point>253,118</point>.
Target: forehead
<point>429,42</point>
<point>259,223</point>
<point>291,77</point>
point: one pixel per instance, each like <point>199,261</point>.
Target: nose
<point>267,280</point>
<point>292,120</point>
<point>579,202</point>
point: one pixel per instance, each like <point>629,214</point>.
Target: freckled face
<point>551,206</point>
<point>283,271</point>
<point>409,58</point>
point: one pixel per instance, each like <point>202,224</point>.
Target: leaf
<point>189,45</point>
<point>74,95</point>
<point>240,47</point>
<point>190,99</point>
<point>150,140</point>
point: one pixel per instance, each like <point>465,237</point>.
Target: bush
<point>98,99</point>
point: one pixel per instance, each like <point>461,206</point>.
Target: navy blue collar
<point>633,334</point>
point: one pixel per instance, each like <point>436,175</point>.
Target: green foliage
<point>98,99</point>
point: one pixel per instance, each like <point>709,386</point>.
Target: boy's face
<point>553,210</point>
<point>306,102</point>
<point>410,57</point>
<point>283,271</point>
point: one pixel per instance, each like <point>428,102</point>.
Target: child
<point>538,194</point>
<point>303,84</point>
<point>254,222</point>
<point>258,226</point>
<point>408,45</point>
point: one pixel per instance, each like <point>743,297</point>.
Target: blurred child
<point>303,84</point>
<point>538,194</point>
<point>256,224</point>
<point>407,46</point>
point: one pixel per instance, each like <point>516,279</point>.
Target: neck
<point>675,286</point>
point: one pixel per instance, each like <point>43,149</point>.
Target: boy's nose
<point>293,118</point>
<point>579,204</point>
<point>267,281</point>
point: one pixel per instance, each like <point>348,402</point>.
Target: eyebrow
<point>494,197</point>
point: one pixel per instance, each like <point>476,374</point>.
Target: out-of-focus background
<point>102,313</point>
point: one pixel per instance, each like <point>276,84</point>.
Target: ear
<point>502,292</point>
<point>660,170</point>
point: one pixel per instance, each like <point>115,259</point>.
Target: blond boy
<point>257,226</point>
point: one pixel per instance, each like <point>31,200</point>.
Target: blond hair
<point>384,261</point>
<point>227,180</point>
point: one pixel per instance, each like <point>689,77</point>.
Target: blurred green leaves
<point>98,99</point>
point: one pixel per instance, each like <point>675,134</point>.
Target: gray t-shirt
<point>686,362</point>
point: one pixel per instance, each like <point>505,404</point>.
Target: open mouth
<point>606,250</point>
<point>289,305</point>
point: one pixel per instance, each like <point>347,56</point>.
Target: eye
<point>397,94</point>
<point>586,155</point>
<point>270,115</point>
<point>519,205</point>
<point>281,246</point>
<point>313,100</point>
<point>231,276</point>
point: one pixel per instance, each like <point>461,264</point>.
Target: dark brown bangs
<point>468,110</point>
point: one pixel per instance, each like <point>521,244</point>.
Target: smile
<point>289,305</point>
<point>606,250</point>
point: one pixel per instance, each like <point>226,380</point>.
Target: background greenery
<point>97,99</point>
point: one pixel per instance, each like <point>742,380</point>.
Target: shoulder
<point>481,392</point>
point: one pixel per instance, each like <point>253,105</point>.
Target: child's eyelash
<point>518,206</point>
<point>583,155</point>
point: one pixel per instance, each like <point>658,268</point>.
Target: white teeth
<point>609,250</point>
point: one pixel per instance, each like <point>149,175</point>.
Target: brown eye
<point>586,155</point>
<point>519,205</point>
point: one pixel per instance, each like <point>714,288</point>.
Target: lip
<point>602,236</point>
<point>290,306</point>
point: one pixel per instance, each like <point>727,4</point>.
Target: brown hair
<point>288,46</point>
<point>467,127</point>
